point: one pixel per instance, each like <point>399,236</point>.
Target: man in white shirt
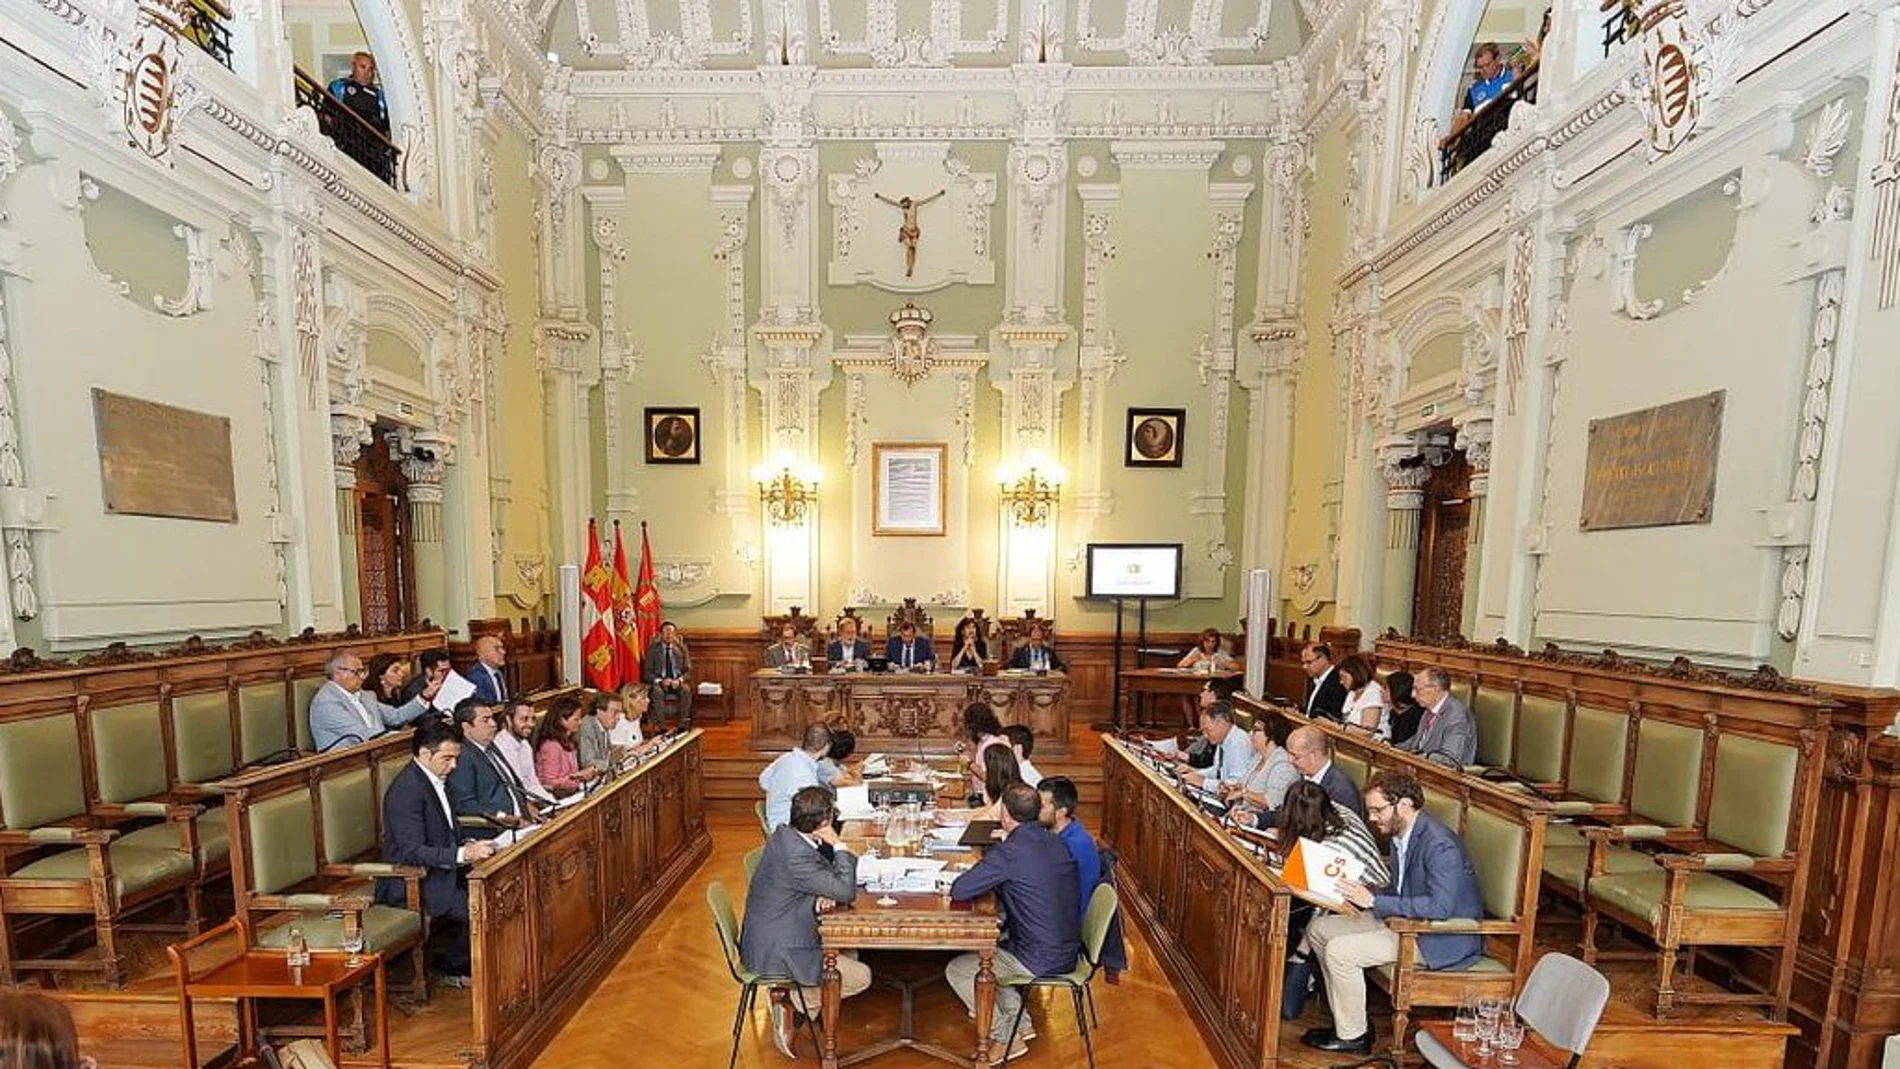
<point>793,771</point>
<point>514,745</point>
<point>419,829</point>
<point>1233,750</point>
<point>343,713</point>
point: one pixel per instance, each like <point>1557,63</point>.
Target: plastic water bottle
<point>299,953</point>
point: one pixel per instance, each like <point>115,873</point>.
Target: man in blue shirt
<point>1233,750</point>
<point>1491,78</point>
<point>1059,800</point>
<point>1034,879</point>
<point>360,93</point>
<point>793,771</point>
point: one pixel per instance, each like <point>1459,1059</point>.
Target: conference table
<point>926,921</point>
<point>906,712</point>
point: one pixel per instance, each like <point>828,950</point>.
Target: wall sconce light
<point>787,495</point>
<point>1031,495</point>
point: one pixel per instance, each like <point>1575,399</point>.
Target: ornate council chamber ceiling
<point>724,34</point>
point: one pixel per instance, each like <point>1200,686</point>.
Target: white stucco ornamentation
<point>19,548</point>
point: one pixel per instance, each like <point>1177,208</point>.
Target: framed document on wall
<point>909,491</point>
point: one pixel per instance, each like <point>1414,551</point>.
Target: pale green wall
<point>521,457</point>
<point>1439,355</point>
<point>388,352</point>
<point>133,243</point>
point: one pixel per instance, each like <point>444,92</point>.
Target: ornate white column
<point>1405,472</point>
<point>1097,360</point>
<point>1474,440</point>
<point>1216,363</point>
<point>560,346</point>
<point>19,503</point>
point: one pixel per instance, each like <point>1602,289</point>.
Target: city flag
<point>646,597</point>
<point>627,644</point>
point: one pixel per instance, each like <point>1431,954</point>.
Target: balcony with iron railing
<point>207,24</point>
<point>1471,135</point>
<point>350,133</point>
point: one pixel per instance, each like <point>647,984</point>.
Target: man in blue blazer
<point>848,652</point>
<point>485,673</point>
<point>1433,881</point>
<point>419,830</point>
<point>908,651</point>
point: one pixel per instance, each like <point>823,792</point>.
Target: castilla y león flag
<point>646,597</point>
<point>627,644</point>
<point>598,646</point>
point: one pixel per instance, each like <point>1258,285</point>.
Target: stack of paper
<point>1165,747</point>
<point>455,686</point>
<point>854,803</point>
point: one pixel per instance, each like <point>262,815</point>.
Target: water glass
<point>1489,1011</point>
<point>353,942</point>
<point>1510,1036</point>
<point>1464,1027</point>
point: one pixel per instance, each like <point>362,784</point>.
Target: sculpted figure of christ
<point>909,232</point>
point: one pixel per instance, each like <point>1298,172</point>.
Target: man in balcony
<point>1491,77</point>
<point>360,93</point>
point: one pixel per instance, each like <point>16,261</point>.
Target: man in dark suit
<point>1433,881</point>
<point>432,667</point>
<point>1035,654</point>
<point>1033,876</point>
<point>482,784</point>
<point>848,652</point>
<point>490,654</point>
<point>1447,733</point>
<point>805,870</point>
<point>1312,754</point>
<point>419,830</point>
<point>1325,694</point>
<point>666,670</point>
<point>788,652</point>
<point>908,651</point>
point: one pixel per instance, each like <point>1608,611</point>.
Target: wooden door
<point>1438,592</point>
<point>385,558</point>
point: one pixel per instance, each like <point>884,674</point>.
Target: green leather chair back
<point>1541,725</point>
<point>283,844</point>
<point>1497,847</point>
<point>1668,773</point>
<point>128,752</point>
<point>1461,688</point>
<point>41,781</point>
<point>1495,709</point>
<point>386,772</point>
<point>1752,798</point>
<point>349,816</point>
<point>262,730</point>
<point>1598,745</point>
<point>301,691</point>
<point>1449,811</point>
<point>1354,768</point>
<point>201,731</point>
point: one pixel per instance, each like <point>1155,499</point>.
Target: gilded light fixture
<point>787,495</point>
<point>1030,496</point>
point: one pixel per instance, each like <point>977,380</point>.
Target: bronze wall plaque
<point>157,460</point>
<point>1653,468</point>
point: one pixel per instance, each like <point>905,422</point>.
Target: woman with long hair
<point>37,1032</point>
<point>1365,700</point>
<point>556,740</point>
<point>999,771</point>
<point>1209,654</point>
<point>982,731</point>
<point>385,677</point>
<point>970,651</point>
<point>1407,713</point>
<point>1308,813</point>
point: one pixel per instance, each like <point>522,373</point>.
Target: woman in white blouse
<point>1208,656</point>
<point>1366,707</point>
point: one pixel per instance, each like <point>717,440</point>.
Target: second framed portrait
<point>1154,437</point>
<point>672,435</point>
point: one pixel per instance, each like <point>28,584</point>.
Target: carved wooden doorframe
<point>385,550</point>
<point>1444,531</point>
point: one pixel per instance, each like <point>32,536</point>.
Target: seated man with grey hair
<point>1447,733</point>
<point>343,712</point>
<point>793,771</point>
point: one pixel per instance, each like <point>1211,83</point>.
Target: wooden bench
<point>106,766</point>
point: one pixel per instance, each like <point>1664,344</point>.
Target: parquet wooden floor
<point>670,1002</point>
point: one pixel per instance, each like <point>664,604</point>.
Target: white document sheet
<point>854,803</point>
<point>455,686</point>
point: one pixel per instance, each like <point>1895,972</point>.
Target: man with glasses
<point>1312,754</point>
<point>1447,734</point>
<point>343,713</point>
<point>1433,880</point>
<point>1325,694</point>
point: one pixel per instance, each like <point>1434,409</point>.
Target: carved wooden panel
<point>1438,591</point>
<point>617,877</point>
<point>670,816</point>
<point>776,718</point>
<point>507,947</point>
<point>1208,914</point>
<point>1248,978</point>
<point>566,899</point>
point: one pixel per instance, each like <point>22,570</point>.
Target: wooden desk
<point>1138,683</point>
<point>904,712</point>
<point>1536,1053</point>
<point>552,915</point>
<point>916,922</point>
<point>1214,913</point>
<point>264,974</point>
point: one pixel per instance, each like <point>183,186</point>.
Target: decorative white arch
<point>405,90</point>
<point>1441,66</point>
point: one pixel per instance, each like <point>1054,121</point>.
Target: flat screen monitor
<point>1134,570</point>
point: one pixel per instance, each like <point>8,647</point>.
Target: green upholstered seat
<point>283,842</point>
<point>384,927</point>
<point>1641,893</point>
<point>1485,964</point>
<point>262,729</point>
<point>1668,773</point>
<point>1564,837</point>
<point>201,734</point>
<point>348,803</point>
<point>1497,847</point>
<point>134,868</point>
<point>1496,713</point>
<point>1354,768</point>
<point>1541,724</point>
<point>214,837</point>
<point>301,691</point>
<point>128,751</point>
<point>1599,741</point>
<point>1752,795</point>
<point>1449,810</point>
<point>1566,864</point>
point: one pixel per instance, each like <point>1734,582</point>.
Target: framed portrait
<point>909,488</point>
<point>1154,437</point>
<point>672,435</point>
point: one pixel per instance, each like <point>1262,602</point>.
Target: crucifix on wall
<point>909,232</point>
